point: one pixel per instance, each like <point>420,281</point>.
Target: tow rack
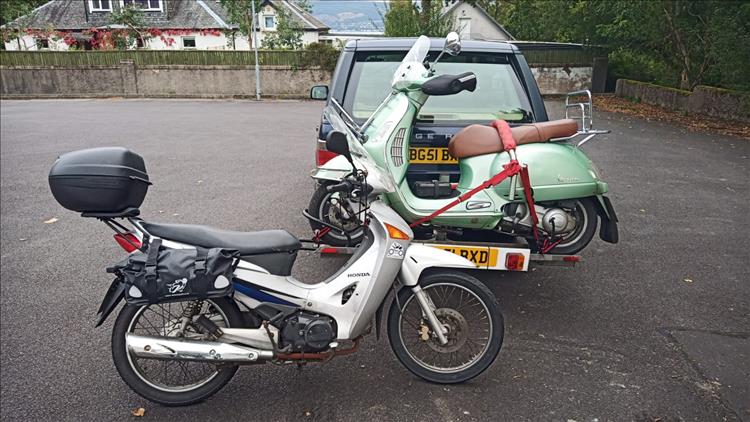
<point>486,256</point>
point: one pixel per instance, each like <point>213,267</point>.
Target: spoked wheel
<point>326,206</point>
<point>172,382</point>
<point>584,213</point>
<point>470,316</point>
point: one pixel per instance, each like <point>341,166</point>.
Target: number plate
<point>488,257</point>
<point>430,155</point>
<point>483,257</point>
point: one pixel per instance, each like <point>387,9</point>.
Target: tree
<point>405,18</point>
<point>20,12</point>
<point>288,33</point>
<point>135,32</point>
<point>674,42</point>
<point>240,14</point>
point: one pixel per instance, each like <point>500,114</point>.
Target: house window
<point>269,22</point>
<point>42,44</point>
<point>146,5</point>
<point>100,5</point>
<point>188,42</point>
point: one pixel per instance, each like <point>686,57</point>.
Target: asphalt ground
<point>654,328</point>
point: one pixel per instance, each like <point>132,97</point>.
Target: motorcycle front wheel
<point>171,382</point>
<point>473,320</point>
<point>322,206</point>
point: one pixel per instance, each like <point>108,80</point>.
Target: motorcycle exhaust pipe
<point>204,351</point>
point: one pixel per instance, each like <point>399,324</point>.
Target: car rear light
<point>572,258</point>
<point>128,241</point>
<point>322,155</point>
<point>514,261</point>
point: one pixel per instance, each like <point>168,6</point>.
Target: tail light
<point>322,155</point>
<point>514,261</point>
<point>128,241</point>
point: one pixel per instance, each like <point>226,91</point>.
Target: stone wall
<point>179,81</point>
<point>210,81</point>
<point>703,100</point>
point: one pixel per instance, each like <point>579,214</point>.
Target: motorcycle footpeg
<point>206,326</point>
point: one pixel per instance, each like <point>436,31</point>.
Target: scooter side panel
<point>557,171</point>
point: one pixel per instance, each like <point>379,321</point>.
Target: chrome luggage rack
<point>586,117</point>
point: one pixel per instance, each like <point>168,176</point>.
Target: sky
<point>350,15</point>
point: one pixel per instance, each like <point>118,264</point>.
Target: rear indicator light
<point>323,156</point>
<point>128,241</point>
<point>514,261</point>
<point>572,258</point>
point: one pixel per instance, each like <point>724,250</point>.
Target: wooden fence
<point>537,54</point>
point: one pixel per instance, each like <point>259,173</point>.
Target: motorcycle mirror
<point>336,142</point>
<point>452,44</point>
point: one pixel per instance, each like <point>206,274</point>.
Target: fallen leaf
<point>688,280</point>
<point>51,220</point>
<point>642,210</point>
<point>200,181</point>
<point>307,413</point>
<point>175,215</point>
<point>139,412</point>
<point>23,239</point>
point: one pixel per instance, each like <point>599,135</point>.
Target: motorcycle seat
<point>476,140</point>
<point>247,243</point>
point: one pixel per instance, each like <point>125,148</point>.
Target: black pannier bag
<point>108,180</point>
<point>165,274</point>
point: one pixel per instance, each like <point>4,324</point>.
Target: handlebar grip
<point>341,187</point>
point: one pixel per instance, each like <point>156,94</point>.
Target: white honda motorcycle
<point>443,324</point>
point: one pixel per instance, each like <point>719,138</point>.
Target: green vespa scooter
<point>568,194</point>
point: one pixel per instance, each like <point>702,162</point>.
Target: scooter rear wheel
<point>473,320</point>
<point>587,219</point>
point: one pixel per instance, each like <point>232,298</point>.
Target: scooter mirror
<point>452,44</point>
<point>336,142</point>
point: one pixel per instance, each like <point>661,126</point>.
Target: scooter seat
<point>476,140</point>
<point>248,243</point>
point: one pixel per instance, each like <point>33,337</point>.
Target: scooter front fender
<point>334,170</point>
<point>420,257</point>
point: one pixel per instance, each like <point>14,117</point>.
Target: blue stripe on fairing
<point>259,295</point>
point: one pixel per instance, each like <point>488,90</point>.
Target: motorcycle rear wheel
<point>587,219</point>
<point>169,382</point>
<point>472,316</point>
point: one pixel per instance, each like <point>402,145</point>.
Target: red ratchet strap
<point>510,169</point>
<point>319,235</point>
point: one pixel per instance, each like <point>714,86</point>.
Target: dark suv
<point>506,90</point>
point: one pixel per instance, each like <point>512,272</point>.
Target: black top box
<point>109,180</point>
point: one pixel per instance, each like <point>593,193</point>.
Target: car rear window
<point>499,93</point>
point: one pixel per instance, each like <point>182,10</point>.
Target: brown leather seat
<point>476,140</point>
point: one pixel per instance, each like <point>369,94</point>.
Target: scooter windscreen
<point>380,180</point>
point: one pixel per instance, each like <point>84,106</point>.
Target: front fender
<point>420,257</point>
<point>334,170</point>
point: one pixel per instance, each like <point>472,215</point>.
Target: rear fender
<point>112,298</point>
<point>608,228</point>
<point>420,257</point>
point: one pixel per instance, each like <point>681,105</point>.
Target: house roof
<point>73,15</point>
<point>455,4</point>
<point>301,16</point>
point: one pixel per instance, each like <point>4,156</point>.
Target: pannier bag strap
<point>150,267</point>
<point>200,263</point>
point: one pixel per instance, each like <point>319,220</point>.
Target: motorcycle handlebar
<point>340,187</point>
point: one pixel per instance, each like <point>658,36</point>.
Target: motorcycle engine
<point>308,332</point>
